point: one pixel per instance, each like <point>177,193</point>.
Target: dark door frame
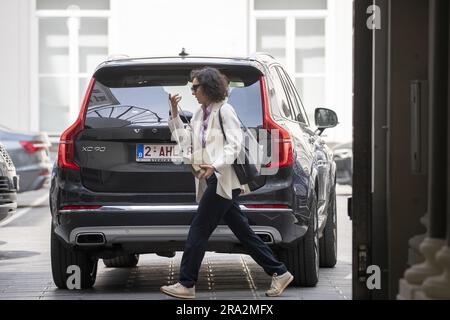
<point>360,208</point>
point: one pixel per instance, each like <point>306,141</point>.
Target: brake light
<point>33,146</point>
<point>267,206</point>
<point>66,151</point>
<point>285,157</point>
<point>80,207</point>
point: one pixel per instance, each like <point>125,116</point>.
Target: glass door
<point>294,32</point>
<point>72,41</point>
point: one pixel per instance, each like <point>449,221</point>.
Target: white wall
<point>343,77</point>
<point>147,28</point>
<point>340,95</point>
<point>14,64</point>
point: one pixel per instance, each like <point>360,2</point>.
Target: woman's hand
<point>207,171</point>
<point>174,104</point>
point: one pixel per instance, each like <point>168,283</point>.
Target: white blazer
<point>217,152</point>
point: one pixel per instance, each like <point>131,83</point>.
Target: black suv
<point>112,199</point>
<point>9,184</point>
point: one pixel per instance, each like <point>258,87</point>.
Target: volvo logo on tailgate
<point>94,148</point>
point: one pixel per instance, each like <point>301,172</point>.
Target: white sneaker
<point>279,283</point>
<point>177,290</point>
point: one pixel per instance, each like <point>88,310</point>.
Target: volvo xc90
<point>112,199</point>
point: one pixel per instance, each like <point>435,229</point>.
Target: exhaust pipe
<point>265,237</point>
<point>90,239</point>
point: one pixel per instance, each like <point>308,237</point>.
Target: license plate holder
<point>156,153</point>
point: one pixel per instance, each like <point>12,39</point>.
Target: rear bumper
<point>137,225</point>
<point>131,234</point>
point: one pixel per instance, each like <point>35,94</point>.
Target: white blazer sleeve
<point>183,136</point>
<point>234,138</point>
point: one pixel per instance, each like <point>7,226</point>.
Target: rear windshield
<point>137,98</point>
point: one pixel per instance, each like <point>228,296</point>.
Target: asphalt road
<point>25,271</point>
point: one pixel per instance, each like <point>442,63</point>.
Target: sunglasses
<point>195,87</point>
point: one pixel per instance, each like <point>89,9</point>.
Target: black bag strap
<point>243,127</point>
<point>221,124</point>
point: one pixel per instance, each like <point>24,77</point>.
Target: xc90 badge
<point>93,149</point>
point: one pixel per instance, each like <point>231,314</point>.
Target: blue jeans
<point>211,209</point>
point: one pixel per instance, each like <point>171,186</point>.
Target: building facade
<point>50,48</point>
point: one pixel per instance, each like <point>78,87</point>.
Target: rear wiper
<point>145,113</point>
<point>141,117</point>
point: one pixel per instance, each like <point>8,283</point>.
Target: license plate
<point>156,153</point>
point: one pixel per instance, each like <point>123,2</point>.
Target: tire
<point>328,242</point>
<point>125,261</point>
<point>302,259</point>
<point>62,258</point>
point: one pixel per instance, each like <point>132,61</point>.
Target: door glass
<point>290,4</point>
<point>55,66</point>
<point>289,94</point>
<point>293,95</point>
<point>312,92</point>
<point>63,4</point>
<point>271,38</point>
<point>53,46</point>
<point>123,99</point>
<point>93,43</point>
<point>54,104</point>
<point>310,45</point>
<point>83,84</point>
<point>282,100</point>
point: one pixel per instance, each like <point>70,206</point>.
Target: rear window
<point>140,97</point>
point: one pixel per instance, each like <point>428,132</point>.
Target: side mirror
<point>325,118</point>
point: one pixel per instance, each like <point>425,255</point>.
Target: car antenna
<point>183,53</point>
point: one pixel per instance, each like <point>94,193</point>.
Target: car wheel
<point>302,259</point>
<point>125,261</point>
<point>328,242</point>
<point>62,258</point>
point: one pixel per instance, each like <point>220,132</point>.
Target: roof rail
<point>117,56</point>
<point>256,54</point>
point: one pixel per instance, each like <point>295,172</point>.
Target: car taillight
<point>266,206</point>
<point>33,146</point>
<point>66,151</point>
<point>80,207</point>
<point>285,156</point>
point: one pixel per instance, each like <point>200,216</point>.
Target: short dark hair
<point>214,83</point>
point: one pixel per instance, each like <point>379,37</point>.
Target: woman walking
<point>217,186</point>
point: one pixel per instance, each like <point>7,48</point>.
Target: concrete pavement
<point>25,271</point>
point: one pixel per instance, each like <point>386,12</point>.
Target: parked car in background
<point>29,152</point>
<point>9,183</point>
<point>111,200</point>
<point>343,156</point>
